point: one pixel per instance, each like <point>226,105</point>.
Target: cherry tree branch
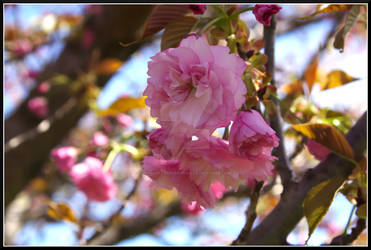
<point>274,229</point>
<point>282,164</point>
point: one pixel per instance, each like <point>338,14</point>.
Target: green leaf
<point>160,16</point>
<point>327,136</point>
<point>362,211</point>
<point>337,78</point>
<point>176,31</point>
<point>349,23</point>
<point>318,201</point>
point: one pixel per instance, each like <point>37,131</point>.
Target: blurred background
<point>69,56</point>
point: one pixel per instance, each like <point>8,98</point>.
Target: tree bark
<point>29,140</point>
<point>274,229</point>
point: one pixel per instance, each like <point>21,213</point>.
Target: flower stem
<point>349,220</point>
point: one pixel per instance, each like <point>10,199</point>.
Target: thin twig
<point>250,215</point>
<point>282,164</point>
<point>108,223</point>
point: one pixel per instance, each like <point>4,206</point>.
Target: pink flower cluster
<point>264,12</point>
<point>197,9</point>
<point>88,176</point>
<point>192,90</point>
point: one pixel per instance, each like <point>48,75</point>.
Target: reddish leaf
<point>176,31</point>
<point>160,16</point>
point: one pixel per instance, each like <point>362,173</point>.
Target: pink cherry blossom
<point>250,135</point>
<point>43,87</point>
<point>317,150</point>
<point>195,86</point>
<point>100,139</point>
<point>124,120</point>
<point>38,106</point>
<point>264,12</point>
<point>209,160</point>
<point>167,174</point>
<point>197,9</point>
<point>64,157</point>
<point>90,178</point>
<point>165,144</point>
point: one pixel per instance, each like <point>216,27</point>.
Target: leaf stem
<point>349,220</point>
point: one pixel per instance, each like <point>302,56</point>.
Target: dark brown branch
<point>349,238</point>
<point>274,229</point>
<point>282,164</point>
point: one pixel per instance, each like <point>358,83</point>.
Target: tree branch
<point>274,229</point>
<point>282,164</point>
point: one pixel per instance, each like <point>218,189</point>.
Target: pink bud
<point>90,178</point>
<point>64,157</point>
<point>100,139</point>
<point>251,136</point>
<point>43,87</point>
<point>197,9</point>
<point>124,120</point>
<point>38,106</point>
<point>264,12</point>
<point>317,150</point>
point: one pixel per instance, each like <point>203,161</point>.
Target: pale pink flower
<point>317,150</point>
<point>197,9</point>
<point>264,12</point>
<point>38,106</point>
<point>166,145</point>
<point>90,178</point>
<point>195,86</point>
<point>209,160</point>
<point>250,135</point>
<point>100,139</point>
<point>43,87</point>
<point>64,157</point>
<point>167,174</point>
<point>124,120</point>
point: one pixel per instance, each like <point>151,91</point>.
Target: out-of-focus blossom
<point>100,139</point>
<point>43,87</point>
<point>64,157</point>
<point>38,106</point>
<point>89,177</point>
<point>197,9</point>
<point>22,47</point>
<point>87,39</point>
<point>195,86</point>
<point>93,9</point>
<point>250,135</point>
<point>191,209</point>
<point>317,150</point>
<point>124,120</point>
<point>264,12</point>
